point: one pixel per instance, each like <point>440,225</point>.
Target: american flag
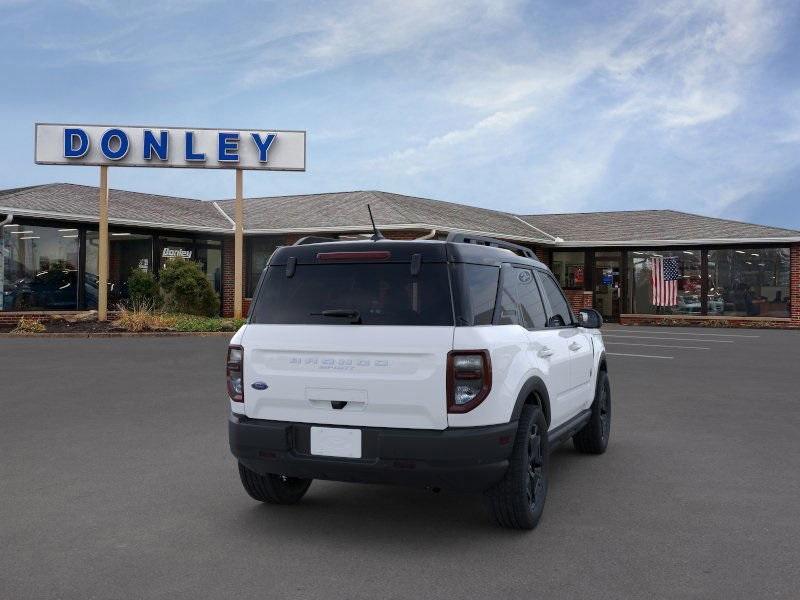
<point>664,277</point>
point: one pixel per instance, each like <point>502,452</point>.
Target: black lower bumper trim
<point>466,459</point>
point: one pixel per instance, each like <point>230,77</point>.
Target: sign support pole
<point>102,255</point>
<point>238,253</point>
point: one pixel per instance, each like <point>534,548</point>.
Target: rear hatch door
<point>350,340</point>
<point>380,377</point>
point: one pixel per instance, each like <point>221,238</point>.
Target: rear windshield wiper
<point>344,313</point>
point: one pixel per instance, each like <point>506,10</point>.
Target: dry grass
<point>28,325</point>
<point>142,317</point>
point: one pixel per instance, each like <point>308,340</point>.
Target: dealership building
<point>721,272</point>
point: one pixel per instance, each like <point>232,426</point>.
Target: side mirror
<point>590,318</point>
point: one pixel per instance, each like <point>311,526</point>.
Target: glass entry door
<point>608,284</point>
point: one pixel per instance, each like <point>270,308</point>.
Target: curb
<point>120,334</point>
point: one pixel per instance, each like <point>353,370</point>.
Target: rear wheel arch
<point>602,365</point>
<point>534,391</point>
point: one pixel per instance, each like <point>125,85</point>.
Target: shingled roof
<point>79,203</point>
<point>347,212</point>
<point>343,211</point>
<point>663,226</point>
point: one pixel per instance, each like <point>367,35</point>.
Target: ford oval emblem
<point>259,385</point>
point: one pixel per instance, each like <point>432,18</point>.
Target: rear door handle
<point>545,352</point>
<point>575,346</point>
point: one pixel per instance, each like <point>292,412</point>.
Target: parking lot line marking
<point>653,337</point>
<point>736,335</point>
<point>638,355</point>
<point>658,345</point>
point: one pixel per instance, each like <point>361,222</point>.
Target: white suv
<point>452,364</point>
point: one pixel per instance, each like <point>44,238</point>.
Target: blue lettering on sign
<point>115,145</point>
<point>263,145</point>
<point>122,148</point>
<point>190,153</point>
<point>159,146</point>
<point>228,142</point>
<point>71,136</point>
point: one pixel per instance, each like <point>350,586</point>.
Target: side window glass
<point>479,291</point>
<point>560,312</point>
<point>509,313</point>
<point>532,315</point>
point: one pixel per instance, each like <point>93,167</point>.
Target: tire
<point>273,489</point>
<point>517,501</point>
<point>593,438</point>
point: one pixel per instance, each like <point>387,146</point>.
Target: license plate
<point>335,441</point>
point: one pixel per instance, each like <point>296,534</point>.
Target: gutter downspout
<point>428,236</point>
<point>7,220</point>
<point>555,239</point>
<point>224,214</point>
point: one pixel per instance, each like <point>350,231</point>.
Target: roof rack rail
<point>465,238</point>
<point>313,239</point>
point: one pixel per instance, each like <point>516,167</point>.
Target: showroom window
<point>258,252</point>
<point>209,255</point>
<point>205,252</point>
<point>749,282</point>
<point>176,247</point>
<point>39,268</point>
<point>569,269</point>
<point>666,282</point>
<point>127,252</point>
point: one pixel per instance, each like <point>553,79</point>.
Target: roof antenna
<point>377,235</point>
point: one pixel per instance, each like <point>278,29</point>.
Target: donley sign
<point>178,147</point>
<point>98,145</point>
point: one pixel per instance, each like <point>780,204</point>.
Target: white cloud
<point>565,179</point>
<point>476,143</point>
<point>693,68</point>
<point>374,28</point>
<point>671,70</point>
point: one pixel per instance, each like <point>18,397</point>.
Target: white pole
<point>238,248</point>
<point>102,256</point>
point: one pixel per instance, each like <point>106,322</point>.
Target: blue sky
<point>520,106</point>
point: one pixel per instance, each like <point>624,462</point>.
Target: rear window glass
<point>369,294</point>
<point>479,291</point>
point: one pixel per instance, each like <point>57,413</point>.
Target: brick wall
<point>794,282</point>
<point>709,321</point>
<point>13,317</point>
<point>227,276</point>
<point>579,299</point>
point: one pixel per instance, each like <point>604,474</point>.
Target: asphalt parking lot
<point>116,482</point>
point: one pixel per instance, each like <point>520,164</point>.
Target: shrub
<point>28,325</point>
<point>143,289</point>
<point>186,289</point>
<point>142,317</point>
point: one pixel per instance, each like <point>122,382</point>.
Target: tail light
<point>235,373</point>
<point>469,379</point>
<point>368,255</point>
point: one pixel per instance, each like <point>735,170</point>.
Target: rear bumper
<point>464,459</point>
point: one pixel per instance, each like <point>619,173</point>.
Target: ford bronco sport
<point>452,364</point>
